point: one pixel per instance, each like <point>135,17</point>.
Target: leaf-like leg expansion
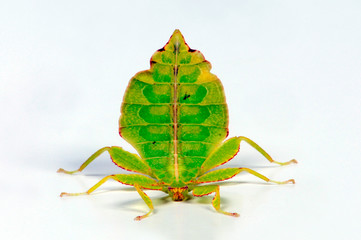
<point>264,153</point>
<point>139,180</point>
<point>124,159</point>
<point>227,173</point>
<point>218,175</point>
<point>90,189</point>
<point>147,201</point>
<point>228,149</point>
<point>222,154</point>
<point>200,191</point>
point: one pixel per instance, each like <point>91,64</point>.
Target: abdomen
<point>174,128</point>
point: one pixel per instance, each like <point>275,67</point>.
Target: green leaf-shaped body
<point>175,113</point>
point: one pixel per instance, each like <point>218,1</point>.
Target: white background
<point>292,77</point>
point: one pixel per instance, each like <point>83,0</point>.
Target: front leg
<point>147,201</point>
<point>200,191</point>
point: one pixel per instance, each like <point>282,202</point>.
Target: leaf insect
<point>175,115</point>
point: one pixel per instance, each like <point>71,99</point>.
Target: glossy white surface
<point>291,72</point>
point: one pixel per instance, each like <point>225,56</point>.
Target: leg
<point>123,159</point>
<point>228,149</point>
<point>254,173</point>
<point>200,191</point>
<point>136,180</point>
<point>86,163</point>
<point>264,153</point>
<point>91,189</point>
<point>146,200</point>
<point>227,173</point>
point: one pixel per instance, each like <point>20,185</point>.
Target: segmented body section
<point>175,113</point>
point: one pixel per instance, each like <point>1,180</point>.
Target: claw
<point>138,218</point>
<point>63,194</point>
<point>293,161</point>
<point>291,181</point>
<point>234,214</point>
